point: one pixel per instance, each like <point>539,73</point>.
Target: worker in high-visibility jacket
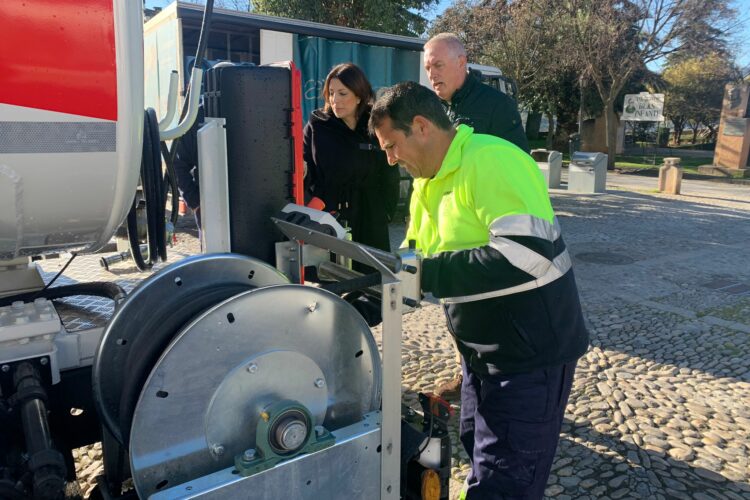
<point>494,255</point>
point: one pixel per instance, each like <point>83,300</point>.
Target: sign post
<point>644,107</point>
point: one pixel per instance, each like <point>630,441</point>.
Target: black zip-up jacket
<point>487,111</point>
<point>348,171</point>
<point>186,163</point>
<point>515,333</point>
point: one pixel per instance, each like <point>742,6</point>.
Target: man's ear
<point>462,61</point>
<point>420,124</point>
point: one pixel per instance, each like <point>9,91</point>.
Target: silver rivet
<point>217,449</point>
<point>249,454</point>
<point>319,382</point>
<point>43,361</point>
<point>6,368</point>
<point>252,368</point>
<point>319,430</point>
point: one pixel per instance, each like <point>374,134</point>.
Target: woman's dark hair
<point>353,78</point>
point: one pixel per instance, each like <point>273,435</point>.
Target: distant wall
<point>594,135</point>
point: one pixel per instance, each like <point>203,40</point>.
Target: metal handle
<point>171,102</point>
<point>195,93</point>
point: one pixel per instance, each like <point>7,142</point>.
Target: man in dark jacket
<point>494,255</point>
<point>465,98</point>
<point>468,101</point>
<point>186,167</point>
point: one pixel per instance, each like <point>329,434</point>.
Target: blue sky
<point>741,42</point>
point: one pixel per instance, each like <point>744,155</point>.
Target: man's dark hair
<point>402,102</point>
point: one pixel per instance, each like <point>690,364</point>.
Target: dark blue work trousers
<point>510,426</point>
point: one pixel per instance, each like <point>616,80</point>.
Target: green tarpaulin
<point>383,66</point>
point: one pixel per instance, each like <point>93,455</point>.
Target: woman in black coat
<point>345,167</point>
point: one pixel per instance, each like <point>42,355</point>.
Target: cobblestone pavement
<point>661,402</point>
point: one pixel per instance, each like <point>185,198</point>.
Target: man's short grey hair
<point>451,40</point>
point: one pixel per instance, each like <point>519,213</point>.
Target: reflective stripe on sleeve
<point>525,225</point>
<point>560,265</point>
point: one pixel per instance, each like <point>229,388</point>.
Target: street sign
<point>643,107</point>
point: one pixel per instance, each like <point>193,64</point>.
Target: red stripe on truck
<point>59,55</point>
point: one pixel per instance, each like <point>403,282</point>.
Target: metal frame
<point>214,187</point>
<point>356,443</point>
<point>390,460</point>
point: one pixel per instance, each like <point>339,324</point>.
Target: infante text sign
<point>643,107</point>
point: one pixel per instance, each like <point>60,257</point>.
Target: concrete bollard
<point>661,184</point>
<point>670,176</point>
<point>550,163</point>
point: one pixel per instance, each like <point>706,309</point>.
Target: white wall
<point>276,46</point>
<point>422,73</point>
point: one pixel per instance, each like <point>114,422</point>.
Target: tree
<point>706,30</point>
<point>521,39</point>
<point>695,91</point>
<point>614,38</point>
<point>400,17</point>
<point>240,5</point>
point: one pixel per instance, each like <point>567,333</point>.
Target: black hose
<point>205,29</point>
<point>133,240</point>
<point>159,194</point>
<point>170,183</point>
<point>197,63</point>
<point>155,183</point>
<point>354,284</point>
<point>45,462</point>
<point>154,194</point>
<point>96,289</point>
<point>153,189</point>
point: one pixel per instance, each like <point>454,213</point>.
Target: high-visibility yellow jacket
<point>496,258</point>
<point>481,178</point>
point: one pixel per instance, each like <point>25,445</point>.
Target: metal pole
<point>390,456</point>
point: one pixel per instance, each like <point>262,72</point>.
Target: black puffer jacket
<point>487,111</point>
<point>348,171</point>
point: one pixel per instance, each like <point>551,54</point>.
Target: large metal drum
<point>71,123</point>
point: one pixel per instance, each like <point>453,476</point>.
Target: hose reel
<point>216,355</point>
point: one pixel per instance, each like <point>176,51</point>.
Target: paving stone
<point>681,453</point>
<point>673,484</point>
<point>709,474</point>
<point>588,483</point>
<point>569,482</point>
<point>554,490</point>
<point>617,481</point>
<point>619,493</point>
